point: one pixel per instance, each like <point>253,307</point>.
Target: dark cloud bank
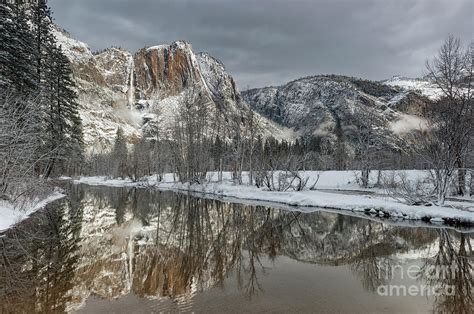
<point>268,42</point>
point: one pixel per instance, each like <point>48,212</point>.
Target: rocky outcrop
<point>165,70</point>
<point>115,65</point>
<point>419,85</point>
<point>219,83</point>
<point>117,88</point>
<point>102,89</point>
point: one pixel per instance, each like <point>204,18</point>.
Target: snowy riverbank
<point>334,190</point>
<point>9,215</point>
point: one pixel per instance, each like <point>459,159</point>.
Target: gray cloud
<point>269,42</point>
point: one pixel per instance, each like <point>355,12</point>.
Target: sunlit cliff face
<point>166,70</point>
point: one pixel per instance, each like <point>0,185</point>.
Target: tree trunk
<point>49,167</point>
<point>461,177</point>
<point>365,178</point>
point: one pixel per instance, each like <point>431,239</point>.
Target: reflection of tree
<point>449,271</point>
<point>253,244</point>
<point>38,260</point>
<point>203,241</point>
<point>373,263</point>
<point>121,206</point>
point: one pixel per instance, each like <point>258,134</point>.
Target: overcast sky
<point>270,42</point>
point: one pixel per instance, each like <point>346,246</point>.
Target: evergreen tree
<point>16,52</point>
<point>43,40</point>
<point>63,127</point>
<point>120,155</point>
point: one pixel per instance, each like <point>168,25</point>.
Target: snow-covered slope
<point>422,86</point>
<point>119,89</point>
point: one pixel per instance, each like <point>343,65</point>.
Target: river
<point>127,250</point>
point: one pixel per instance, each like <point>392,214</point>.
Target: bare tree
<point>192,146</point>
<point>444,143</point>
<point>452,72</point>
<point>141,159</point>
<point>253,129</point>
<point>20,121</point>
<point>371,134</point>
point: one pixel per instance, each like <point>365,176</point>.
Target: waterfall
<point>131,88</point>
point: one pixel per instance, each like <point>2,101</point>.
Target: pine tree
<point>63,127</point>
<point>44,45</point>
<point>16,52</point>
<point>120,155</point>
<point>43,39</point>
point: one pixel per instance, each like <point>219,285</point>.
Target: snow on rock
<point>102,83</point>
<point>313,105</point>
<point>115,65</point>
<point>415,84</point>
<point>75,50</point>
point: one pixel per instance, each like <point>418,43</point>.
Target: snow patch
<point>9,216</point>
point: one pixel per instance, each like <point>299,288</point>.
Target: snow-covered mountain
<point>117,88</point>
<point>314,105</point>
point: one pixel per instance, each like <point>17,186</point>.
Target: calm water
<point>117,250</point>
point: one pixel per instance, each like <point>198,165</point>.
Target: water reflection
<point>449,269</point>
<point>111,242</point>
<point>38,259</point>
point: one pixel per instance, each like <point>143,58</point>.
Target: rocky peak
<point>75,50</point>
<point>165,70</point>
<point>116,65</point>
<point>219,83</point>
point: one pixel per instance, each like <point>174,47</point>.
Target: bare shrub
<point>19,149</point>
<point>413,192</point>
<point>283,180</point>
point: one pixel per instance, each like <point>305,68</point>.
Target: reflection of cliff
<point>172,245</point>
<point>165,245</point>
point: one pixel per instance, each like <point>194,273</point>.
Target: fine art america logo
<point>436,278</point>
